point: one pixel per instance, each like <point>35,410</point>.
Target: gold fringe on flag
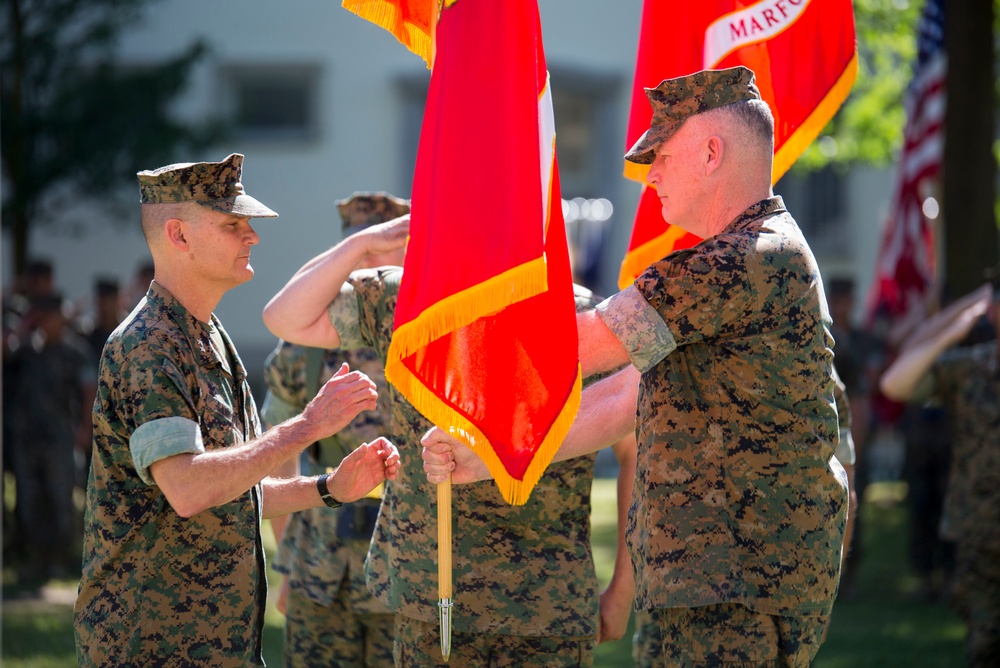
<point>412,22</point>
<point>451,314</point>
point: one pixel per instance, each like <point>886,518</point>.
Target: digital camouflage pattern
<point>968,380</point>
<point>333,635</point>
<point>737,497</point>
<point>518,570</point>
<point>159,589</point>
<point>323,561</point>
<point>363,209</point>
<point>418,645</point>
<point>216,185</point>
<point>647,648</point>
<point>729,634</point>
<point>674,100</point>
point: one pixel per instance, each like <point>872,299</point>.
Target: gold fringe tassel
<point>388,15</point>
<point>439,412</point>
<point>448,315</point>
<point>458,310</point>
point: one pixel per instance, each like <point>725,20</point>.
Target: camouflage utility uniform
<point>968,381</point>
<point>525,587</point>
<point>739,507</point>
<point>332,618</point>
<point>647,649</point>
<point>159,589</point>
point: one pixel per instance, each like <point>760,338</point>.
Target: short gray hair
<point>752,118</point>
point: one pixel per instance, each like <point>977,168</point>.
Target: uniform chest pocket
<point>220,423</point>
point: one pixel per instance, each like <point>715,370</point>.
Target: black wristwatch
<point>324,492</point>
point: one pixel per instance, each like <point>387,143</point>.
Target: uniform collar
<point>194,330</point>
<point>766,207</point>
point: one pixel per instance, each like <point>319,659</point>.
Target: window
<point>277,102</point>
<point>817,201</point>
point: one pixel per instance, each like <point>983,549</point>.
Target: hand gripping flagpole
<point>444,564</point>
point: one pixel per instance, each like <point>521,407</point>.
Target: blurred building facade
<point>323,103</point>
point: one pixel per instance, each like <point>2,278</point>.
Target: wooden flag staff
<point>444,564</point>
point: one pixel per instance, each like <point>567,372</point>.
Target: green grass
<point>878,627</point>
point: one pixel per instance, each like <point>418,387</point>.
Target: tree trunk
<point>971,241</point>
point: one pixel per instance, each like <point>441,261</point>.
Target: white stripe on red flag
<point>906,267</point>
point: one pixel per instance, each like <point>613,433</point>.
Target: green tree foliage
<point>76,122</point>
<point>868,128</point>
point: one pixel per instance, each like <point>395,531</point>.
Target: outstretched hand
<point>363,470</point>
<point>445,455</point>
<point>340,400</point>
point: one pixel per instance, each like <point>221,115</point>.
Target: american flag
<point>905,269</point>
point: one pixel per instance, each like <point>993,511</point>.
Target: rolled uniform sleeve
<point>163,438</point>
<point>638,326</point>
<point>159,411</point>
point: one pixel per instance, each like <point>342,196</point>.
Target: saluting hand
<point>386,237</point>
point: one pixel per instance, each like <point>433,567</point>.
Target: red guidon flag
<point>485,328</point>
<point>803,53</point>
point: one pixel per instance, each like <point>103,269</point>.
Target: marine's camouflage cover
<point>217,185</point>
<point>674,100</point>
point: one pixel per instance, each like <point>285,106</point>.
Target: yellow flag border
<point>525,281</point>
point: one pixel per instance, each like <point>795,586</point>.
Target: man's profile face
<point>219,247</point>
<point>674,175</point>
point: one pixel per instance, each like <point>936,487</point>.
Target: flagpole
<point>444,564</point>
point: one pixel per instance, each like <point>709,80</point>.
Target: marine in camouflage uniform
<point>739,506</point>
<point>647,644</point>
<point>966,380</point>
<point>969,381</point>
<point>525,586</point>
<point>161,587</point>
<point>332,619</point>
<point>152,580</point>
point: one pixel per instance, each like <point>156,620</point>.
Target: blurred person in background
<point>858,359</point>
<point>966,381</point>
<point>51,391</point>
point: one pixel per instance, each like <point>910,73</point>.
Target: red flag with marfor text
<point>804,55</point>
<point>485,335</point>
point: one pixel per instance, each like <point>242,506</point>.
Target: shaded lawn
<point>881,626</point>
